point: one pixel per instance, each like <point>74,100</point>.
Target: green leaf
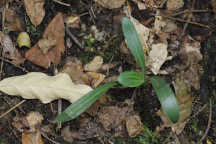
<point>133,42</point>
<point>166,97</point>
<point>131,79</point>
<point>83,103</point>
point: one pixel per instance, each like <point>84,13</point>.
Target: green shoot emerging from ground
<point>129,79</point>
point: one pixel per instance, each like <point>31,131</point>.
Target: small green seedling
<point>129,79</point>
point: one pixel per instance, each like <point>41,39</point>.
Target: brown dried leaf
<point>134,125</point>
<point>28,123</point>
<point>111,4</point>
<point>56,32</point>
<point>94,65</point>
<point>111,116</point>
<point>183,95</point>
<point>35,10</point>
<point>73,67</point>
<point>13,22</point>
<point>32,138</point>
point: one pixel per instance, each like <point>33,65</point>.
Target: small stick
<point>44,135</point>
<point>209,122</point>
<point>185,21</point>
<point>1,116</point>
<point>23,69</point>
<point>189,11</point>
<point>62,3</point>
<point>73,37</point>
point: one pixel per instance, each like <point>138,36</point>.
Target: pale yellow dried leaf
<point>23,39</point>
<point>35,10</point>
<point>157,57</point>
<point>94,65</point>
<point>111,4</point>
<point>95,78</point>
<point>36,85</point>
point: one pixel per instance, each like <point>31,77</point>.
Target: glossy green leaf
<point>131,79</point>
<point>83,103</point>
<point>166,97</point>
<point>133,42</point>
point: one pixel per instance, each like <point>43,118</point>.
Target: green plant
<point>129,79</point>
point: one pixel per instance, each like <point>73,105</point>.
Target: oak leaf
<point>55,32</point>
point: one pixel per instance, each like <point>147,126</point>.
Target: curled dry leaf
<point>55,32</point>
<point>35,10</point>
<point>111,4</point>
<point>73,21</point>
<point>95,78</point>
<point>38,85</point>
<point>94,65</point>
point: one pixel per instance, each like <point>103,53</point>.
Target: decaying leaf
<point>13,22</point>
<point>111,4</point>
<point>174,4</point>
<point>38,85</point>
<point>46,44</point>
<point>9,49</point>
<point>134,125</point>
<point>32,138</point>
<point>29,123</point>
<point>35,10</point>
<point>183,95</point>
<point>190,52</point>
<point>157,57</point>
<point>94,65</point>
<point>55,32</point>
<point>73,67</point>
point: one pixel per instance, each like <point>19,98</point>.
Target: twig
<point>73,37</point>
<point>189,11</point>
<point>44,135</point>
<point>209,122</point>
<point>189,18</point>
<point>23,69</point>
<point>62,3</point>
<point>1,116</point>
<point>185,21</point>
